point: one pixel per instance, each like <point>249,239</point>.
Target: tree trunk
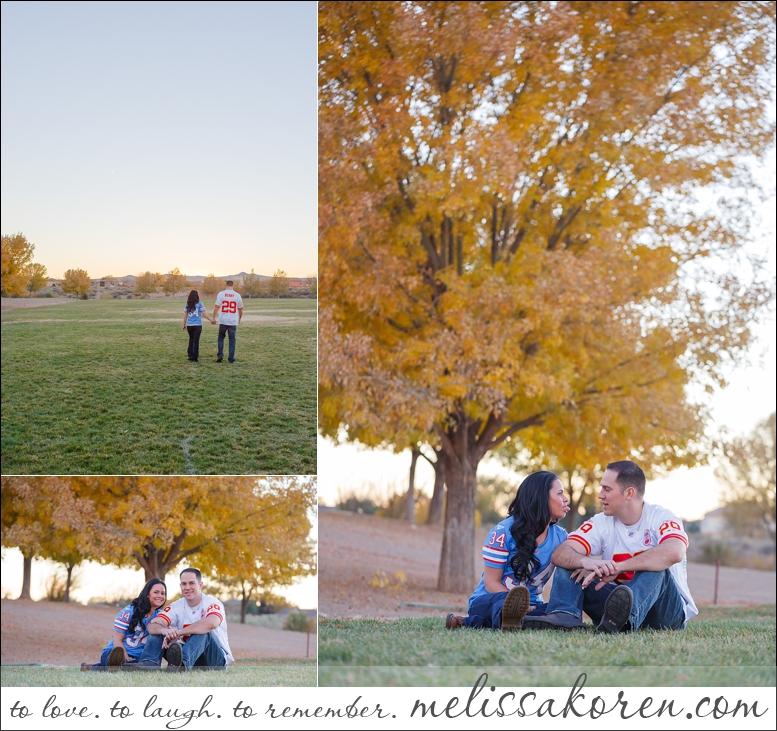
<point>410,497</point>
<point>154,571</point>
<point>244,597</point>
<point>438,495</point>
<point>26,575</point>
<point>574,505</point>
<point>68,582</point>
<point>464,442</point>
<point>156,562</point>
<point>460,457</point>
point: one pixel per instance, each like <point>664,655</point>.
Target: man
<point>640,579</point>
<point>196,620</point>
<point>229,306</point>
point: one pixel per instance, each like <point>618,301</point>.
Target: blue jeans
<point>198,651</point>
<point>231,331</point>
<point>657,600</point>
<point>486,611</point>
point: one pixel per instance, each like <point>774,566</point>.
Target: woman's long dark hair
<point>194,298</point>
<point>531,515</point>
<point>141,604</point>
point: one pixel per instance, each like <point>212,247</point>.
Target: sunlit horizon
<point>97,583</point>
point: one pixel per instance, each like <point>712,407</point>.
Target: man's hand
<point>598,566</point>
<point>588,576</point>
<point>171,634</point>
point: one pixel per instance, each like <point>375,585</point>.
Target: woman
<point>192,323</point>
<point>130,628</point>
<point>517,555</point>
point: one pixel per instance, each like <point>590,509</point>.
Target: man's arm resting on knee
<point>571,555</point>
<point>658,558</point>
<point>158,626</point>
<point>202,626</point>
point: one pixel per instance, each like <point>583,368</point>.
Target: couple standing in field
<point>229,306</point>
<point>625,567</point>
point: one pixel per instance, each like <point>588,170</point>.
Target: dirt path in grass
<point>360,557</point>
<point>68,634</point>
<point>20,303</point>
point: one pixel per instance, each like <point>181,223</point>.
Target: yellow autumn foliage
<point>508,203</point>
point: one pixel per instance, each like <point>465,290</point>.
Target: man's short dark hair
<point>229,282</point>
<point>629,475</point>
<point>194,571</point>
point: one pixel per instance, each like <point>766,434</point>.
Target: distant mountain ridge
<point>201,277</point>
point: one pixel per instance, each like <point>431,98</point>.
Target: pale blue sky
<point>144,135</point>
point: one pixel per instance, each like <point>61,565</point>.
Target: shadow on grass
<point>280,672</point>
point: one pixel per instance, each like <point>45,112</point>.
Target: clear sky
<point>94,580</point>
<point>153,135</point>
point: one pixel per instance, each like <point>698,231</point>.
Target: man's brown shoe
<point>514,609</point>
<point>454,621</point>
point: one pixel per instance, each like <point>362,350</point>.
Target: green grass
<point>105,387</point>
<point>724,646</point>
<point>281,672</point>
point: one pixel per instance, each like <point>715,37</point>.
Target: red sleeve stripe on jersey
<point>215,614</point>
<point>162,615</point>
<point>498,557</point>
<point>582,541</point>
<point>675,535</point>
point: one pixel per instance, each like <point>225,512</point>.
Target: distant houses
<point>298,286</point>
<point>715,522</point>
<point>110,283</point>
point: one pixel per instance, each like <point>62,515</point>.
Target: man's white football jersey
<point>605,536</point>
<point>180,615</point>
<point>229,302</point>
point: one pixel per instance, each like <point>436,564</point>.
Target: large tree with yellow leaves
<point>510,233</point>
<point>229,526</point>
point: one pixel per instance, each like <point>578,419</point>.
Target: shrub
<point>296,622</point>
<point>354,504</point>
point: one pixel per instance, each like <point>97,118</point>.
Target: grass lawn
<point>281,672</point>
<point>723,646</point>
<point>105,387</point>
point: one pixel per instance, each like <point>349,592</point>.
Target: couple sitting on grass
<point>189,633</point>
<point>639,581</point>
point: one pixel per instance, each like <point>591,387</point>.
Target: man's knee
<point>562,574</point>
<point>154,647</point>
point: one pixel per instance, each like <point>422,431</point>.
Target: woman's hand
<point>580,574</point>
